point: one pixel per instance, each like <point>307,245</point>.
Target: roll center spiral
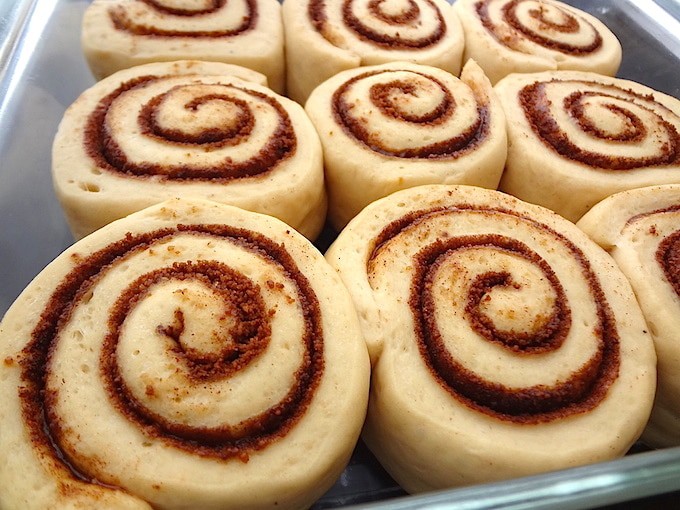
<point>197,115</point>
<point>208,131</point>
<point>390,24</point>
<point>418,101</point>
<point>522,308</point>
<point>395,12</point>
<point>634,130</point>
<point>541,23</point>
<point>212,318</point>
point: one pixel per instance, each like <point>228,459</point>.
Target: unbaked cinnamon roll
<point>117,34</point>
<point>191,355</point>
<point>575,138</point>
<point>399,125</point>
<point>640,228</point>
<point>187,128</point>
<point>520,36</point>
<point>495,327</point>
<point>324,37</point>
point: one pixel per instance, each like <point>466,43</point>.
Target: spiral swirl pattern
<point>202,343</point>
<point>617,128</point>
<point>171,129</point>
<point>206,127</point>
<point>552,25</point>
<point>164,19</point>
<point>580,137</point>
<point>325,38</point>
<point>407,103</point>
<point>510,36</point>
<point>414,124</point>
<point>119,34</point>
<point>484,313</point>
<point>411,24</point>
<point>240,335</point>
<point>520,304</point>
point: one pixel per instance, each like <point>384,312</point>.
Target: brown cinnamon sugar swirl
<point>495,327</point>
<point>187,128</point>
<point>520,36</point>
<point>399,125</point>
<point>640,228</point>
<point>117,34</point>
<point>325,37</point>
<point>191,355</point>
<point>575,138</point>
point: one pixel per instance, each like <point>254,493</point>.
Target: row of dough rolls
<point>598,326</point>
<point>301,43</point>
<point>214,131</point>
<point>464,295</point>
<point>223,350</point>
<point>561,139</point>
<point>192,355</point>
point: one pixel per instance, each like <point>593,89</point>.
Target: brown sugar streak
<point>668,256</point>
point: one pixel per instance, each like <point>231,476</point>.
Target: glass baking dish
<point>42,71</point>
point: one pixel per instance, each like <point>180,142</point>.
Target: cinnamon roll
<point>640,228</point>
<point>575,138</point>
<point>325,37</point>
<point>495,327</point>
<point>187,128</point>
<point>191,355</point>
<point>117,34</point>
<point>522,36</point>
<point>398,125</point>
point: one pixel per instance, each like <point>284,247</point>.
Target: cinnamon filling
<point>668,256</point>
<point>122,21</point>
<point>570,24</point>
<point>410,17</point>
<point>249,337</point>
<point>535,102</point>
<point>586,386</point>
<point>102,147</point>
<point>450,148</point>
